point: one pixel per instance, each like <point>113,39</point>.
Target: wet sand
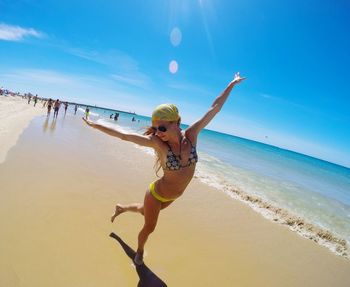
<point>59,186</point>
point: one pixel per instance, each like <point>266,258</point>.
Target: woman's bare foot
<point>118,210</point>
<point>138,260</point>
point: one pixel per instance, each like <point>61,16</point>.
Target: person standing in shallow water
<point>177,156</point>
<point>87,113</point>
<point>35,100</point>
<point>65,107</point>
<point>56,106</point>
<point>49,105</point>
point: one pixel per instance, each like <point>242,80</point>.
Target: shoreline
<point>295,223</point>
<point>278,215</point>
<point>60,198</point>
<point>15,105</point>
<point>275,214</point>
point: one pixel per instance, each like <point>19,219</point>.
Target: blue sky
<point>295,55</point>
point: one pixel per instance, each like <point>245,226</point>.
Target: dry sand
<point>59,186</point>
<point>15,115</point>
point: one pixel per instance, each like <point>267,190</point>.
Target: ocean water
<point>310,196</point>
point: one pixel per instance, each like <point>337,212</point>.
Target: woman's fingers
<point>238,78</point>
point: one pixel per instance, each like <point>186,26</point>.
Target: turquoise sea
<point>309,195</point>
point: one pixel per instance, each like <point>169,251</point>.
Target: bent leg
<point>134,207</point>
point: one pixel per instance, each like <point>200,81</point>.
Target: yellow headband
<point>165,112</point>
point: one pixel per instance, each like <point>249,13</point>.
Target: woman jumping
<point>177,155</point>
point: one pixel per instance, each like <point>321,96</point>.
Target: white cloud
<point>38,76</point>
<point>109,58</point>
<point>16,33</point>
<point>189,88</point>
<point>285,102</point>
<point>125,68</point>
<point>134,80</point>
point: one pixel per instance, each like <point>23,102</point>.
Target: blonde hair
<point>157,164</point>
<point>163,112</point>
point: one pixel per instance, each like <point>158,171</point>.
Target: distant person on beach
<point>111,116</point>
<point>65,107</point>
<point>29,98</point>
<point>87,113</point>
<point>35,99</point>
<point>133,119</point>
<point>176,155</point>
<point>56,106</point>
<point>49,106</point>
<point>75,109</point>
<point>116,116</point>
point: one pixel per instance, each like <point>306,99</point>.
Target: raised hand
<point>237,79</point>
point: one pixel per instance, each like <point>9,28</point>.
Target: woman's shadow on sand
<point>147,277</point>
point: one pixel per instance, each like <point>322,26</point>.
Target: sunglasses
<point>162,129</point>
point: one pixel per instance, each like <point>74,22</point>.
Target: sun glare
<point>173,67</point>
<point>175,36</point>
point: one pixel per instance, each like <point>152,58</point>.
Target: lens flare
<point>175,37</point>
<point>173,67</point>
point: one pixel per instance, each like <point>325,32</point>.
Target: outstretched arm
<point>195,128</point>
<point>135,138</point>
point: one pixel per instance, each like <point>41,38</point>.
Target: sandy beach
<point>59,184</point>
<point>15,116</point>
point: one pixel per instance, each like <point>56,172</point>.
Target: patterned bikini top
<point>173,162</point>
